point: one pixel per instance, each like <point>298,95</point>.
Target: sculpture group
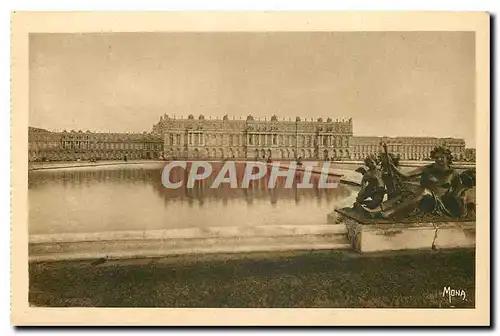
<point>435,190</point>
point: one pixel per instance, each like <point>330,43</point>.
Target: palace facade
<point>253,138</point>
<point>228,138</point>
<point>408,148</point>
<point>470,154</point>
<point>44,145</point>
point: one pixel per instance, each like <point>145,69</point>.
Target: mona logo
<point>451,293</point>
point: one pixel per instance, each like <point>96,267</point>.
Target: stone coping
<point>346,176</point>
<point>153,247</point>
<point>316,171</point>
<point>137,254</point>
<point>191,233</point>
<point>67,165</point>
<point>407,223</point>
<point>411,163</point>
<point>41,166</point>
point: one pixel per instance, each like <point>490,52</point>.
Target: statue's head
<point>442,157</point>
<point>371,162</point>
<point>468,178</point>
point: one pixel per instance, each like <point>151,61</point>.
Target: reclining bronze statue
<point>435,190</point>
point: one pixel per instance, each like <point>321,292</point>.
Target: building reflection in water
<point>132,197</point>
<point>201,190</point>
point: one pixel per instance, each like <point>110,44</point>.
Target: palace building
<point>408,148</point>
<point>228,138</point>
<point>44,145</point>
<point>255,138</point>
<point>470,154</point>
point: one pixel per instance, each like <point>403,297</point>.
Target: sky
<point>390,83</point>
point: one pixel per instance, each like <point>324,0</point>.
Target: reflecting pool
<point>131,197</point>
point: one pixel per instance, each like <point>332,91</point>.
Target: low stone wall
<point>347,176</point>
<point>81,164</point>
<point>393,236</point>
<point>162,243</point>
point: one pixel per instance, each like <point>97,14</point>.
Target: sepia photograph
<point>256,163</point>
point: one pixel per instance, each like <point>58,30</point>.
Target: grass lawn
<point>331,279</point>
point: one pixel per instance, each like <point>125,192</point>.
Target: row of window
<point>404,148</point>
<point>85,145</point>
<point>257,139</point>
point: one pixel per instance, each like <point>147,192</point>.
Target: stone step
<point>150,248</point>
<point>190,233</point>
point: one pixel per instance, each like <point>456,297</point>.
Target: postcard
<point>250,169</point>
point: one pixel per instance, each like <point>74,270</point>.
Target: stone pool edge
<point>161,243</point>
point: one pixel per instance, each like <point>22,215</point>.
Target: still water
<point>131,197</point>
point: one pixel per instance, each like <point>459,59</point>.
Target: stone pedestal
<point>372,235</point>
